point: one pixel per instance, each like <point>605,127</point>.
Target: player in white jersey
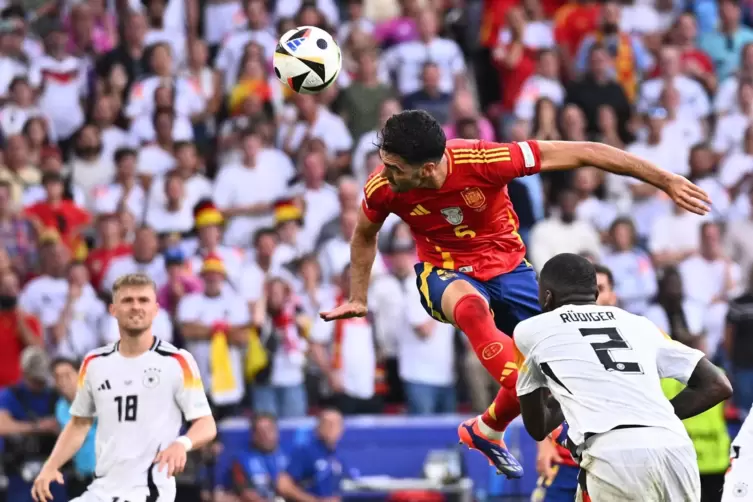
<point>738,482</point>
<point>139,389</point>
<point>602,366</point>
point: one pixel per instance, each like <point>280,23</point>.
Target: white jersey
<point>744,436</point>
<point>603,365</point>
<point>139,403</point>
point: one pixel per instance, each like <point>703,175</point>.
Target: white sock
<point>488,432</point>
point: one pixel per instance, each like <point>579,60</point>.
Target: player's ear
<point>547,301</point>
<point>111,308</point>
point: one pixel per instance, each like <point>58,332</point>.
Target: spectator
<point>76,332</point>
<point>282,327</point>
<point>597,88</point>
<point>145,259</point>
<point>725,100</point>
<point>45,295</point>
<point>738,244</point>
<point>425,351</point>
<point>562,233</point>
<point>429,98</point>
<point>544,83</point>
<point>89,165</point>
<point>711,279</point>
<point>249,210</point>
<point>676,315</point>
<point>215,326</point>
<point>28,426</point>
<point>16,169</point>
<point>175,214</point>
<point>16,233</point>
<point>346,354</point>
<point>124,193</point>
<point>109,245</point>
<point>405,60</point>
<point>316,469</point>
<point>738,347</point>
<point>20,330</point>
<point>634,276</point>
<point>725,44</point>
<point>630,60</point>
<point>254,273</point>
<point>180,281</point>
<point>361,101</point>
<point>65,372</point>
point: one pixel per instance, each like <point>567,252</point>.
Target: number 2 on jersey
<point>615,342</point>
<point>127,408</point>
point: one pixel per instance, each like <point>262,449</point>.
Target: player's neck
<point>134,346</point>
<point>437,180</point>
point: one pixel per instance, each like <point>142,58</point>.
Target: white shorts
<point>166,494</point>
<point>738,482</point>
<point>642,464</point>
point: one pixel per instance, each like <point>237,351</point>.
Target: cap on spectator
<point>213,263</point>
<point>287,210</point>
<point>206,214</point>
<point>174,256</point>
<point>35,364</point>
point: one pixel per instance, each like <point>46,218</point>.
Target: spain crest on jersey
<point>454,215</point>
<point>474,197</point>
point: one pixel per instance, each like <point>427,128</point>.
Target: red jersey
<point>10,341</point>
<point>99,259</point>
<point>469,224</point>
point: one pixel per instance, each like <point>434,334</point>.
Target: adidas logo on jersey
<point>105,386</point>
<point>419,210</point>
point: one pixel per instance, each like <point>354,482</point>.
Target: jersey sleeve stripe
<point>375,186</point>
<point>84,367</point>
<point>373,180</point>
<point>190,381</point>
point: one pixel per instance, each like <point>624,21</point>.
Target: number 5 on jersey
<point>127,408</point>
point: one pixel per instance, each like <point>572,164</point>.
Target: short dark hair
<point>413,135</point>
<point>601,269</point>
<point>64,360</point>
<point>569,274</point>
<point>123,152</point>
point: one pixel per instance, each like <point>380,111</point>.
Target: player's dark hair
<point>413,135</point>
<point>569,275</point>
<point>601,269</point>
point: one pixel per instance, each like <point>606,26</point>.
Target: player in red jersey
<point>472,270</point>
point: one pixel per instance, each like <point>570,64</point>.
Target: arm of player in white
<point>192,401</point>
<point>540,412</point>
<point>706,384</point>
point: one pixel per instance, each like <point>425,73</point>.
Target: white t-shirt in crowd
<point>228,307</point>
<point>406,61</point>
<point>63,84</point>
<point>128,265</point>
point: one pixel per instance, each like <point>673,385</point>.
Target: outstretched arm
<point>562,155</point>
<point>363,249</point>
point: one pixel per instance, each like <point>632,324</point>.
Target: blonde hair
<point>133,280</point>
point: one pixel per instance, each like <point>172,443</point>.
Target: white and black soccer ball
<point>307,59</point>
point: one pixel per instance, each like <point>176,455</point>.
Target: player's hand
<point>345,311</point>
<point>40,490</point>
<point>174,458</point>
<point>546,458</point>
<point>687,195</point>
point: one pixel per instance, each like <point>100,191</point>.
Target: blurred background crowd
<point>152,136</point>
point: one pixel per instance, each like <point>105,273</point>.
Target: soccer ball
<point>307,60</point>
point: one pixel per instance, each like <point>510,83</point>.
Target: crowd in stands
<point>154,137</point>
